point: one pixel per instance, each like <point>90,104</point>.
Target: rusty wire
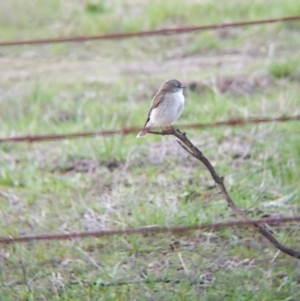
<point>147,230</point>
<point>126,131</point>
<point>166,31</point>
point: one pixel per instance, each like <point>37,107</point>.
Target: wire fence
<point>126,131</point>
<point>166,31</point>
<point>148,230</point>
<point>131,130</point>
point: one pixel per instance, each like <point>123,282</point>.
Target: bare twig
<point>192,149</point>
<point>129,282</point>
<point>25,280</point>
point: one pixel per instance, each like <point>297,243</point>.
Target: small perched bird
<point>167,105</point>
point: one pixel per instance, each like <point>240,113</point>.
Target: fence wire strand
<point>166,31</point>
<point>127,131</point>
<point>147,230</point>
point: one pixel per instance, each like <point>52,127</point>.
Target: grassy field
<point>119,182</point>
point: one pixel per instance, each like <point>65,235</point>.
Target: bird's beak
<point>183,87</point>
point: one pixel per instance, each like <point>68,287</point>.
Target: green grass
<point>285,68</point>
<point>118,182</point>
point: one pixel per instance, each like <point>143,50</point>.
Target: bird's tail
<point>147,127</point>
<point>143,133</point>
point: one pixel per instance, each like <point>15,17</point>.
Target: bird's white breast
<point>168,110</point>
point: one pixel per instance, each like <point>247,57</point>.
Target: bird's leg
<point>167,128</point>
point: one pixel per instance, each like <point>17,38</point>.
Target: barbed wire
<point>166,31</point>
<point>127,131</point>
<point>147,230</point>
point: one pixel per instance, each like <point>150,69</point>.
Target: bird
<point>166,106</point>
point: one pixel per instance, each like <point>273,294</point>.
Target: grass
<point>120,182</point>
<point>285,68</point>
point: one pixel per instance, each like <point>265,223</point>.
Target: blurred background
<point>120,181</point>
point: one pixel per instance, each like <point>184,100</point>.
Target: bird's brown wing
<point>156,100</point>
